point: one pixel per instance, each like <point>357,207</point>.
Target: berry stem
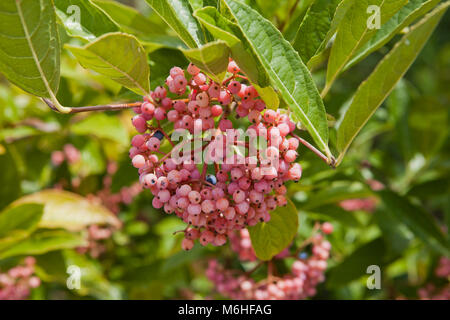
<point>106,107</point>
<point>331,162</point>
<point>165,134</point>
<point>228,80</point>
<point>303,245</point>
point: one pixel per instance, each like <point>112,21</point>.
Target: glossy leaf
<point>354,32</point>
<point>411,11</point>
<point>152,43</point>
<point>178,15</point>
<point>128,18</point>
<point>29,46</point>
<point>44,241</point>
<point>339,15</point>
<point>84,19</point>
<point>223,29</point>
<point>212,58</point>
<point>269,239</point>
<point>118,56</point>
<point>380,83</point>
<point>285,69</point>
<point>314,28</point>
<point>63,209</point>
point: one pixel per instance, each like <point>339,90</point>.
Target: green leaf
<point>129,19</point>
<point>17,223</point>
<point>152,43</point>
<point>355,265</point>
<point>178,15</point>
<point>9,179</point>
<point>44,241</point>
<point>118,56</point>
<point>314,28</point>
<point>102,126</point>
<point>339,15</point>
<point>411,11</point>
<point>269,239</point>
<point>353,32</point>
<point>212,58</point>
<point>285,69</point>
<point>63,209</point>
<point>223,29</point>
<point>380,83</point>
<point>269,96</point>
<point>420,222</point>
<point>83,19</point>
<point>29,46</point>
<point>93,281</point>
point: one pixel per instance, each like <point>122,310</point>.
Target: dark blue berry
<point>211,179</point>
<point>303,255</point>
<point>159,135</point>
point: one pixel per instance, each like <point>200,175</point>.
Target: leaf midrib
<point>341,66</point>
<point>32,50</point>
<point>118,70</point>
<point>280,83</point>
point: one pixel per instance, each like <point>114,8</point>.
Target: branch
<point>106,107</point>
<point>331,162</point>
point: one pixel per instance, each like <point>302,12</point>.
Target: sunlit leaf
<point>29,45</point>
<point>129,19</point>
<point>380,83</point>
<point>118,56</point>
<point>354,31</point>
<point>270,238</point>
<point>211,58</point>
<point>225,30</point>
<point>83,19</point>
<point>411,11</point>
<point>178,15</point>
<point>285,69</point>
<point>44,241</point>
<point>63,209</point>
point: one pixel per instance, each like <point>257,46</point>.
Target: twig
<point>331,162</point>
<point>106,107</point>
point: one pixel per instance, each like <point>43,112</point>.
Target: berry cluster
<point>95,235</point>
<point>18,281</point>
<point>306,274</point>
<point>69,153</point>
<point>238,190</point>
<point>241,244</point>
<point>434,292</point>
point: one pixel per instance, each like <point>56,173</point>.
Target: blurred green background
<point>404,149</point>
